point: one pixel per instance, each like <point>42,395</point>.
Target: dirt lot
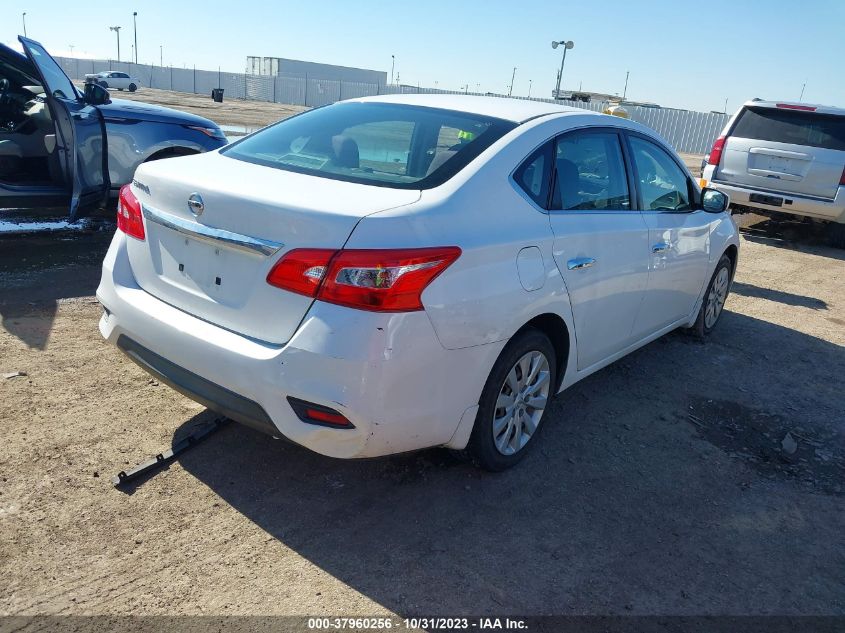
<point>662,485</point>
<point>250,114</point>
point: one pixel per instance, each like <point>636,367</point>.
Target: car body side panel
<point>132,142</point>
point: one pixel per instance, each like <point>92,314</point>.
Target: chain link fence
<point>687,131</point>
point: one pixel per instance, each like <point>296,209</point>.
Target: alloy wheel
<point>521,402</point>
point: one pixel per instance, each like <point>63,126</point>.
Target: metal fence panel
<point>686,131</point>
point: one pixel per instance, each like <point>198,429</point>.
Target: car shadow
<point>788,298</point>
<point>37,271</point>
<point>788,234</point>
<point>630,504</point>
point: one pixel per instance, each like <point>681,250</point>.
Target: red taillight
<point>377,280</point>
<point>842,179</point>
<point>129,214</point>
<point>716,152</point>
<point>301,270</point>
<point>793,106</point>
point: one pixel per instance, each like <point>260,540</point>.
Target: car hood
<point>122,108</point>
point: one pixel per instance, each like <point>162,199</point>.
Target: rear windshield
<point>389,145</point>
<point>792,126</point>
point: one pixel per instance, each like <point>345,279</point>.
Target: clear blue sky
<point>692,54</point>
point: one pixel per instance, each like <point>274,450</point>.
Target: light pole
<point>161,55</point>
<point>23,17</point>
<point>513,76</point>
<point>625,92</point>
<point>392,66</point>
<point>804,85</point>
<point>116,29</point>
<point>566,46</point>
<point>529,88</point>
<point>135,29</point>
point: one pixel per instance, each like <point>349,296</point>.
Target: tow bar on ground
<point>167,456</point>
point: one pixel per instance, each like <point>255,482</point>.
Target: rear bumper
<point>387,373</point>
<point>831,210</point>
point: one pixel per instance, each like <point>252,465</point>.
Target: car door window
<point>590,173</point>
<point>663,184</point>
<point>533,175</point>
<point>58,84</point>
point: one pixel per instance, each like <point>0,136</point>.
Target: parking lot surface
<point>687,478</point>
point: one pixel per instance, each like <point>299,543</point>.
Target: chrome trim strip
<point>218,237</point>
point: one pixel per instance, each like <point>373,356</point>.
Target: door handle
<point>579,263</point>
<point>660,247</point>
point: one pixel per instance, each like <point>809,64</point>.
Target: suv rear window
<point>383,144</point>
<point>810,129</point>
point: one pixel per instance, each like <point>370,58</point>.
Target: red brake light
<point>842,179</point>
<point>716,152</point>
<point>129,218</point>
<point>792,106</point>
<point>376,280</point>
<point>301,270</point>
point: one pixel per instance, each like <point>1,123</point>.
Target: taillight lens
<point>301,270</point>
<point>716,152</point>
<point>129,218</point>
<point>842,179</point>
<point>379,280</point>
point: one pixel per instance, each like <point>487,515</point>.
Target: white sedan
<point>115,79</point>
<point>398,272</point>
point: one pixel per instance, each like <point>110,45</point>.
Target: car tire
<point>837,235</point>
<point>715,297</point>
<point>132,87</point>
<point>503,433</point>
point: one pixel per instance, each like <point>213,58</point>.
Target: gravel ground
<point>687,478</point>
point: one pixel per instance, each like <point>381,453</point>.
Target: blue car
<point>60,147</point>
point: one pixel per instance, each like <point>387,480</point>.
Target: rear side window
<point>533,175</point>
<point>383,144</point>
<point>777,125</point>
<point>590,173</point>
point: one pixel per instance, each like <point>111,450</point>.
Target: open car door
<point>80,132</point>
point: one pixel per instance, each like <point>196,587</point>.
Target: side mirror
<point>95,94</point>
<point>714,201</point>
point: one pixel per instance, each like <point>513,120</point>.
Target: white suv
<point>398,272</point>
<point>784,158</point>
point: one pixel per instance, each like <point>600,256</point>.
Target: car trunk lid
<point>213,261</point>
<point>784,150</point>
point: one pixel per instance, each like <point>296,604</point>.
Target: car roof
<point>517,110</point>
<point>796,105</point>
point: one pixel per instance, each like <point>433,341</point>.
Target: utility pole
<point>804,85</point>
<point>510,89</point>
<point>392,66</point>
<point>116,29</point>
<point>625,92</point>
<point>161,55</point>
<point>725,109</point>
<point>23,17</point>
<point>135,28</point>
<point>529,88</point>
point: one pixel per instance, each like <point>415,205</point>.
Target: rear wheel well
<point>731,252</point>
<point>171,152</point>
<point>555,328</point>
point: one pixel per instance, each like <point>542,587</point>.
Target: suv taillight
<point>129,214</point>
<point>379,280</point>
<point>716,152</point>
<point>842,179</point>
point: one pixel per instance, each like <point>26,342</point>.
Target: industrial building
<point>275,66</point>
